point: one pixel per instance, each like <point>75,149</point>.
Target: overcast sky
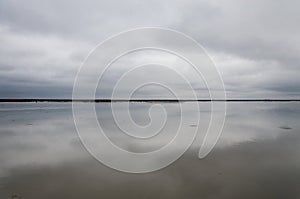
<point>254,43</point>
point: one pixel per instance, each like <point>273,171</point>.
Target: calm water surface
<point>257,156</point>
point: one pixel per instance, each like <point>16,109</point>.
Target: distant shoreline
<point>147,100</point>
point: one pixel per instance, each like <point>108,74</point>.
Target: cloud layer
<point>255,44</point>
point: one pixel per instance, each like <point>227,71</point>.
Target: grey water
<point>257,155</point>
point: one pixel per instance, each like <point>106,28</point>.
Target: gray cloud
<point>254,43</point>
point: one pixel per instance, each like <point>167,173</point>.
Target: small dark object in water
<point>193,125</point>
<point>285,127</point>
<point>15,196</point>
<point>29,124</point>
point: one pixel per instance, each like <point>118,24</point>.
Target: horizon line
<point>102,100</point>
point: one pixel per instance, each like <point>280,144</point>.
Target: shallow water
<point>257,155</point>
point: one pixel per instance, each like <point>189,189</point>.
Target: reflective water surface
<point>257,155</point>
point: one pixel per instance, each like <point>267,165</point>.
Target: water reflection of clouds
<point>261,169</point>
<point>253,157</point>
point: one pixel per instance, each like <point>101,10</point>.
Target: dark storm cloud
<point>255,44</point>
